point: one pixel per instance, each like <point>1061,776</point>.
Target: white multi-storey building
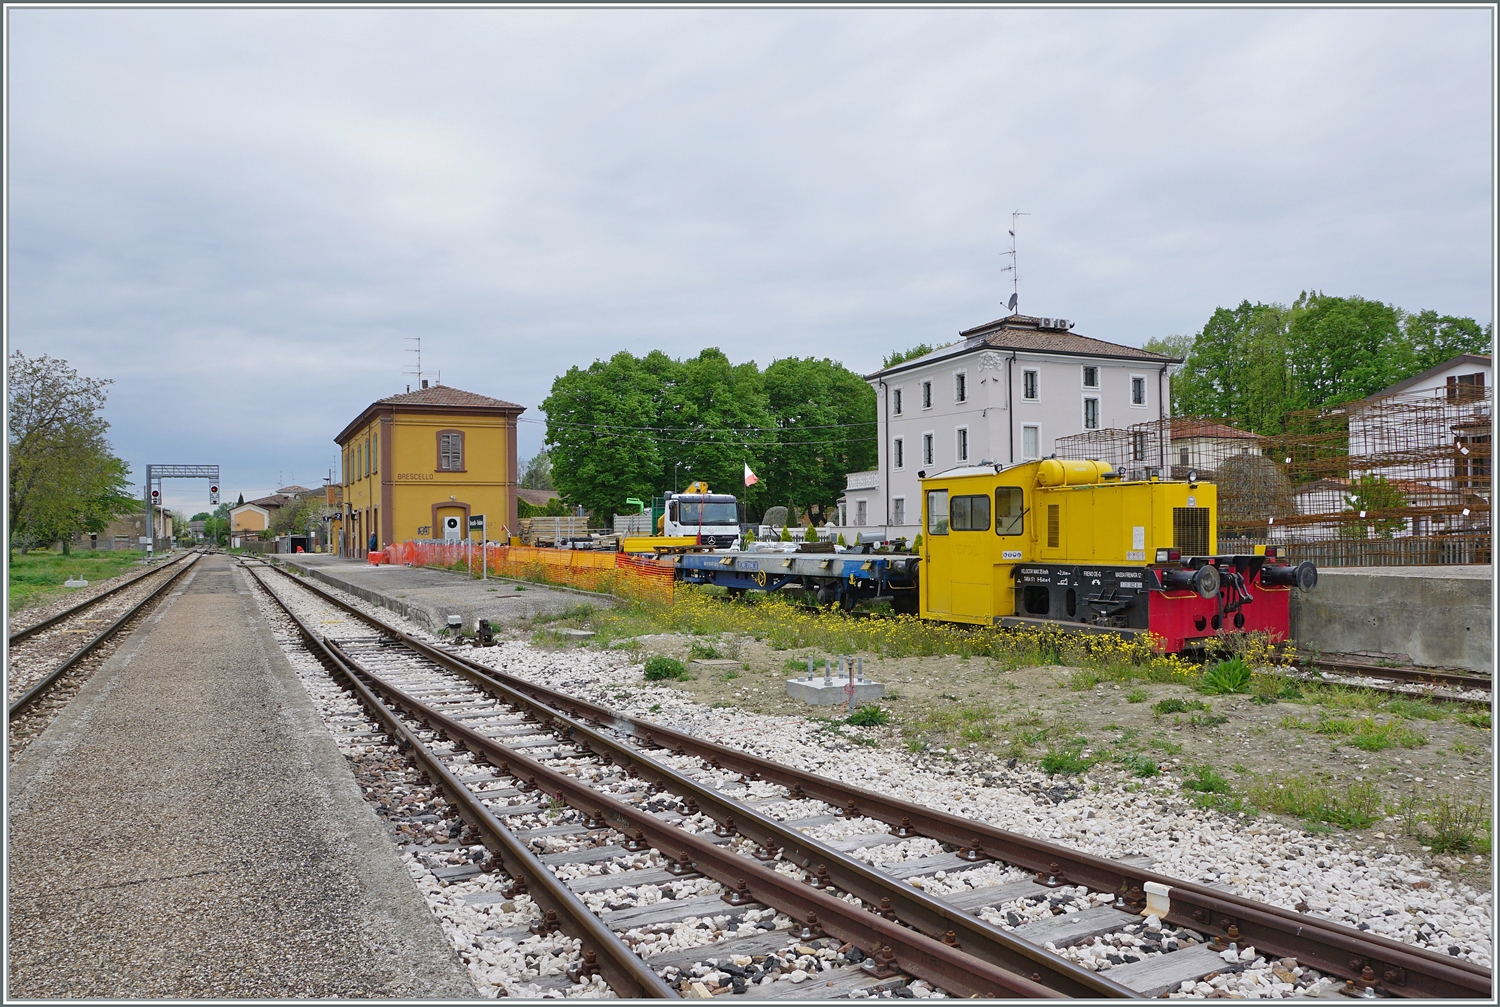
<point>1003,393</point>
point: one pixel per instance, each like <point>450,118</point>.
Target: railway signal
<point>213,494</point>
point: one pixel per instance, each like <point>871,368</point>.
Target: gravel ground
<point>1365,880</point>
<point>186,830</point>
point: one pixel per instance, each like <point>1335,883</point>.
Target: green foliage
<point>1203,779</point>
<point>1457,825</point>
<point>811,535</point>
<point>1174,705</point>
<point>1372,492</point>
<point>62,477</point>
<point>703,651</point>
<point>1066,761</point>
<point>786,534</point>
<point>620,428</point>
<point>916,543</point>
<point>1137,696</point>
<point>1139,765</point>
<point>1226,678</point>
<point>901,357</point>
<point>1480,720</point>
<point>1251,364</point>
<point>552,508</point>
<point>1353,805</point>
<point>536,472</point>
<point>37,577</point>
<point>869,716</point>
<point>659,669</point>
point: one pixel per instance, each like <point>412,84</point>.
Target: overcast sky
<point>238,215</point>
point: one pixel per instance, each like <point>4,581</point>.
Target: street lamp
<point>679,465</point>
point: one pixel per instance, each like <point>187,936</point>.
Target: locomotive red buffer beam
<point>1182,602</point>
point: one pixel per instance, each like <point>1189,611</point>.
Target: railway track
<point>735,836</point>
<point>49,662</point>
<point>1473,684</point>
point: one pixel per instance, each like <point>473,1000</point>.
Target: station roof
<point>433,399</point>
<point>1037,335</point>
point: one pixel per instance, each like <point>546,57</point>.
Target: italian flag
<point>750,477</point>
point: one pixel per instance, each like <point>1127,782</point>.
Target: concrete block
<point>720,664</point>
<point>834,693</point>
<point>1434,616</point>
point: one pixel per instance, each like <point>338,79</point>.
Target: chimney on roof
<point>424,382</point>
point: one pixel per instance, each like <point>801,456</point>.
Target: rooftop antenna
<point>418,351</point>
<point>1015,274</point>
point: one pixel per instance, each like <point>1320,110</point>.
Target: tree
<point>240,502</point>
<point>1436,338</point>
<point>301,516</point>
<point>1345,348</point>
<point>202,515</point>
<point>1236,369</point>
<point>536,471</point>
<point>1373,493</point>
<point>900,357</point>
<point>826,427</point>
<point>62,477</point>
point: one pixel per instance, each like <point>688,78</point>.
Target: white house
<point>1000,394</point>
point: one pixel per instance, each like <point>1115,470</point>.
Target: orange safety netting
<point>607,572</point>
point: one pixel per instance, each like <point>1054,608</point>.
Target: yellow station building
<point>419,464</point>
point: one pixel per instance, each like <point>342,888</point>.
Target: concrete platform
<point>834,692</point>
<point>1432,616</point>
<point>428,596</point>
<point>186,828</point>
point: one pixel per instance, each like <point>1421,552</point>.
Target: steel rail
<point>1399,969</point>
<point>68,613</point>
<point>31,695</point>
<point>1421,676</point>
<point>927,913</point>
<point>915,952</point>
<point>620,966</point>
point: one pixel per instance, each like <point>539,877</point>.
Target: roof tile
<point>443,395</point>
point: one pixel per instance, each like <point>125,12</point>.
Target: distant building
<point>254,516</point>
<point>127,530</point>
<point>420,464</point>
<point>1003,393</point>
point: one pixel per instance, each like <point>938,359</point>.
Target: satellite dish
<point>1013,300</point>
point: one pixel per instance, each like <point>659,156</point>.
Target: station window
<point>898,510</point>
<point>375,453</point>
<point>898,453</point>
<point>970,513</point>
<point>1029,442</point>
<point>937,512</point>
<point>1090,377</point>
<point>1091,413</point>
<point>896,401</point>
<point>1137,390</point>
<point>1028,384</point>
<point>450,451</point>
<point>961,444</point>
<point>960,387</point>
<point>927,395</point>
<point>1010,514</point>
<point>926,449</point>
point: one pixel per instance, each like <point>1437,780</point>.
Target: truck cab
<point>712,519</point>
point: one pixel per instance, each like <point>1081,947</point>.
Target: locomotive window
<point>937,512</point>
<point>970,513</point>
<point>1010,515</point>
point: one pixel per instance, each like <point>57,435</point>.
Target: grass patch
<point>661,669</point>
<point>1226,678</point>
<point>1480,720</point>
<point>1354,805</point>
<point>703,652</point>
<point>1137,696</point>
<point>37,577</point>
<point>869,716</point>
<point>1065,761</point>
<point>1167,706</point>
<point>1139,765</point>
<point>1364,733</point>
<point>1204,780</point>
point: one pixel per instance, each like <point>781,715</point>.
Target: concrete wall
<point>1436,616</point>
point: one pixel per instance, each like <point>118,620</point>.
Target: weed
<point>1241,768</point>
<point>1066,761</point>
<point>702,652</point>
<point>1271,689</point>
<point>915,745</point>
<point>1137,696</point>
<point>1204,780</point>
<point>1226,678</point>
<point>1368,734</point>
<point>1481,720</point>
<point>1207,719</point>
<point>1162,744</point>
<point>1459,748</point>
<point>1353,805</point>
<point>869,716</point>
<point>655,708</point>
<point>730,675</point>
<point>1167,706</point>
<point>1455,824</point>
<point>660,668</point>
<point>1139,765</point>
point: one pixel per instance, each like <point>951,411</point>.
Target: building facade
<point>420,464</point>
<point>1004,393</point>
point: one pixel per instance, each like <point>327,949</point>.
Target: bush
<point>1226,678</point>
<point>660,669</point>
<point>1167,706</point>
<point>703,652</point>
<point>1067,761</point>
<point>869,716</point>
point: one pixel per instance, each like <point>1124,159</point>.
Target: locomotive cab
<point>1066,542</point>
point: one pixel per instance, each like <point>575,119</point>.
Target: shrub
<point>660,669</point>
<point>786,534</point>
<point>869,716</point>
<point>1226,678</point>
<point>812,534</point>
<point>1137,696</point>
<point>702,651</point>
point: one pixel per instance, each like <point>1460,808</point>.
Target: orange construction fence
<point>607,572</point>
